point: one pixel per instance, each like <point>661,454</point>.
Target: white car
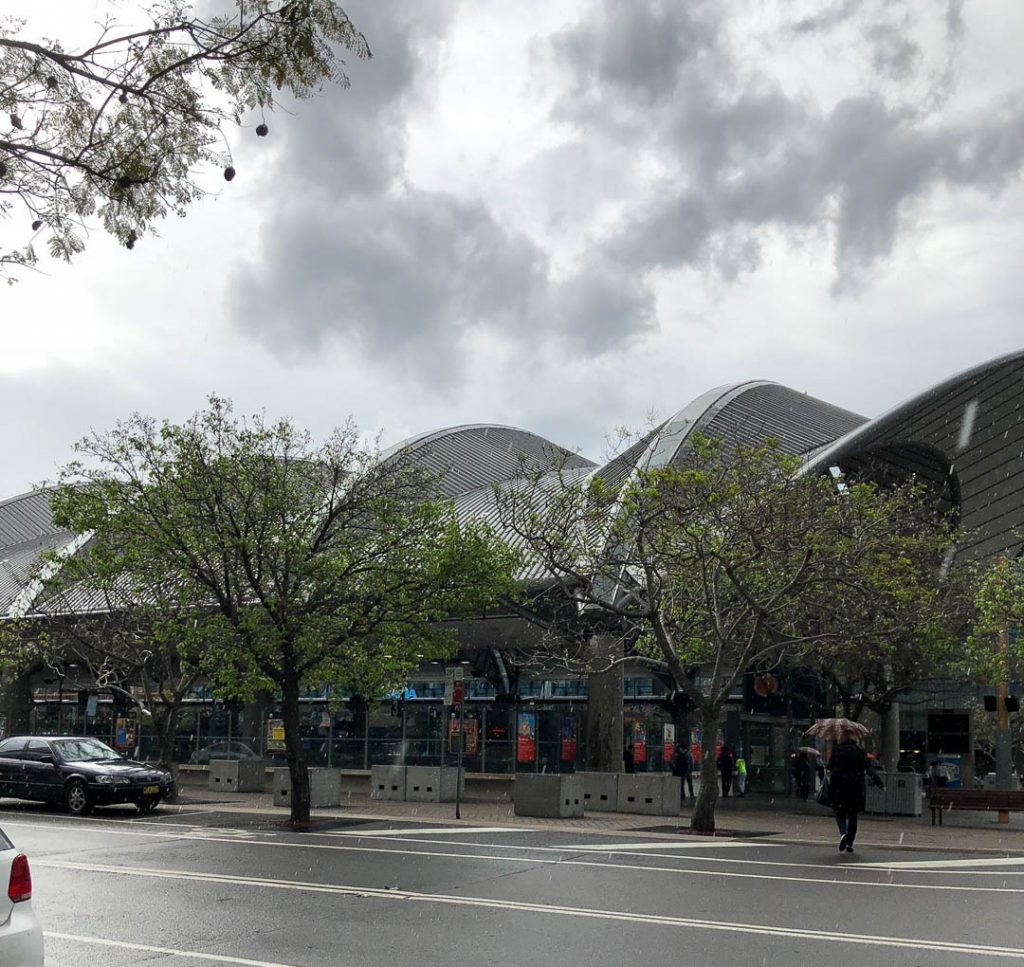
<point>21,935</point>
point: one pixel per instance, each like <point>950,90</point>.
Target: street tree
<point>898,609</point>
<point>311,564</point>
<point>728,562</point>
<point>994,650</point>
<point>117,130</point>
<point>135,634</point>
<point>701,570</point>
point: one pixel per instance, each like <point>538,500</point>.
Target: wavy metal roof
<point>974,423</point>
<point>966,434</point>
<point>464,458</point>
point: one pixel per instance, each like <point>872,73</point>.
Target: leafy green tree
<point>727,562</point>
<point>118,129</point>
<point>312,565</point>
<point>701,570</point>
<point>999,604</point>
<point>897,610</point>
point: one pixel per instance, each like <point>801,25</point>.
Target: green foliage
<point>999,604</point>
<point>896,610</point>
<point>298,565</point>
<point>118,130</point>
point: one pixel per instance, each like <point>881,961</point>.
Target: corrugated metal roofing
<point>465,458</point>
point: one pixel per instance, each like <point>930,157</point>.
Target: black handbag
<point>823,798</point>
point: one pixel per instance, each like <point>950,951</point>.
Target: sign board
<point>275,735</point>
<point>668,742</point>
<point>569,740</point>
<point>91,703</point>
<point>452,675</point>
<point>472,746</point>
<point>526,737</point>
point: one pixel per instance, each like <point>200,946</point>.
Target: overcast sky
<point>564,215</point>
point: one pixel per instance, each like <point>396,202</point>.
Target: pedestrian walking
<point>726,767</point>
<point>801,771</point>
<point>741,776</point>
<point>848,768</point>
<point>681,765</point>
<point>627,759</point>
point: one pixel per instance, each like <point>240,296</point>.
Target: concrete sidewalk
<point>777,819</point>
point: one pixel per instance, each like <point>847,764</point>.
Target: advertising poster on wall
<point>472,745</point>
<point>568,752</point>
<point>639,741</point>
<point>668,742</point>
<point>526,737</point>
<point>275,735</point>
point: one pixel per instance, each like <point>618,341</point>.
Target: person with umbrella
<point>848,767</point>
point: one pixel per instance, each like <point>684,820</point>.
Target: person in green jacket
<point>741,775</point>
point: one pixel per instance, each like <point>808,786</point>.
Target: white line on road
<point>167,951</point>
<point>939,865</point>
<point>655,845</point>
<point>562,860</point>
<point>428,831</point>
<point>675,870</point>
<point>1015,953</point>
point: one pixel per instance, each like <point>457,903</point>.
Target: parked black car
<point>78,772</point>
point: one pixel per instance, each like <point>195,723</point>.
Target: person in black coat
<point>726,766</point>
<point>681,765</point>
<point>848,767</point>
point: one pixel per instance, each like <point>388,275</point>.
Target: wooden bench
<point>1002,800</point>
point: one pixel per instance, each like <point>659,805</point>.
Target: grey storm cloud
<point>742,154</point>
<point>357,256</point>
<point>360,258</point>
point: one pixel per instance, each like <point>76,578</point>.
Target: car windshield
<point>84,750</point>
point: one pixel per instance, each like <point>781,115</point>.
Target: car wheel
<point>76,798</point>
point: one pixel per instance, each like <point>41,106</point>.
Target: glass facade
<point>544,731</point>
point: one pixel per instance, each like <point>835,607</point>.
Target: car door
<point>42,776</point>
<point>11,778</point>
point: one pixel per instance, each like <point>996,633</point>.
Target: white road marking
<point>561,861</point>
<point>167,951</point>
<point>675,870</point>
<point>654,845</point>
<point>940,865</point>
<point>428,831</point>
<point>915,943</point>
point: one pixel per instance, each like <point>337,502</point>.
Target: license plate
<point>151,791</point>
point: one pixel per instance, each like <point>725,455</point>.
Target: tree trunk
<point>889,740</point>
<point>297,771</point>
<point>703,818</point>
<point>604,705</point>
<point>165,721</point>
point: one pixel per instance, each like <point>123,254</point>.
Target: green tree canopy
<point>116,130</point>
<point>725,563</point>
<point>311,565</point>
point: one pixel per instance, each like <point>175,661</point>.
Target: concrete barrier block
<point>388,782</point>
<point>432,784</point>
<point>600,791</point>
<point>324,787</point>
<point>234,775</point>
<point>549,796</point>
<point>655,794</point>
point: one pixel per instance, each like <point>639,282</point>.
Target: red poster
<point>526,737</point>
<point>639,742</point>
<point>568,739</point>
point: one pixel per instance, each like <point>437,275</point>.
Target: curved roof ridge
<point>905,408</point>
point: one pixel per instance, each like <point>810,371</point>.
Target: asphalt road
<point>191,889</point>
